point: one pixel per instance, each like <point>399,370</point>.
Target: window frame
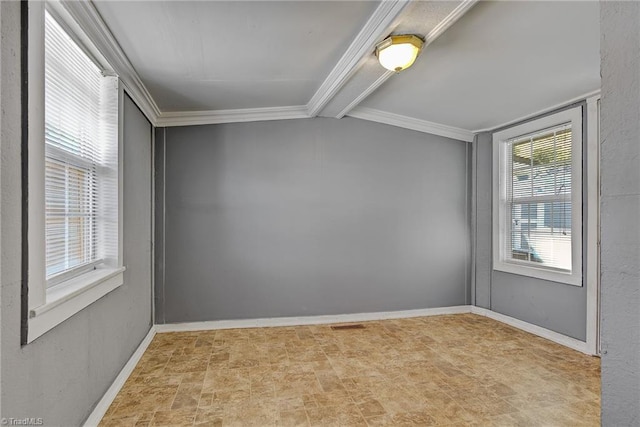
<point>49,306</point>
<point>500,185</point>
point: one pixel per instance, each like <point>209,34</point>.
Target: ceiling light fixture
<point>397,53</point>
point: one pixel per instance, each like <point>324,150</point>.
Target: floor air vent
<point>344,327</point>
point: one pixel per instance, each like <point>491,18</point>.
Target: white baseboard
<point>101,408</point>
<point>556,337</point>
<point>309,320</point>
<point>103,405</point>
<point>364,317</point>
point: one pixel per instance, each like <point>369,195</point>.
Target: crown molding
<point>589,97</point>
<point>376,27</point>
<point>212,117</point>
<point>436,32</point>
<point>411,123</point>
<point>89,19</point>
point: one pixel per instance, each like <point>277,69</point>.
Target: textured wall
<point>9,194</point>
<point>620,213</point>
<point>310,217</point>
<point>555,306</point>
<point>62,375</point>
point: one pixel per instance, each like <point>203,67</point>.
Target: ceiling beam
<point>437,31</point>
<point>375,29</point>
<point>365,93</point>
<point>89,19</point>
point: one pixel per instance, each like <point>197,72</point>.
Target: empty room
<point>319,213</point>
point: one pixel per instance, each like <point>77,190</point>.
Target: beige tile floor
<point>457,370</point>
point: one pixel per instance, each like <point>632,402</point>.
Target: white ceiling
<point>419,17</point>
<point>498,62</point>
<point>209,55</point>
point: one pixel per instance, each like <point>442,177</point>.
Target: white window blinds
<point>80,158</point>
<point>538,199</point>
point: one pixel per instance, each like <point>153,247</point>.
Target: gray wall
<point>158,238</point>
<point>481,181</point>
<point>63,374</point>
<point>620,211</point>
<point>555,306</point>
<point>309,217</point>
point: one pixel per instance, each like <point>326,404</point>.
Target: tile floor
<point>457,370</point>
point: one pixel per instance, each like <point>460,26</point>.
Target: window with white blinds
<point>80,158</point>
<point>538,210</point>
<point>539,198</point>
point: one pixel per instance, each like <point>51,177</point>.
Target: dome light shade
<point>397,53</point>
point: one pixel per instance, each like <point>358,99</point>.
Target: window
<point>74,173</point>
<point>537,198</point>
<point>80,157</point>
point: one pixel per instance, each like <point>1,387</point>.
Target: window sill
<point>68,298</point>
<point>539,273</point>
